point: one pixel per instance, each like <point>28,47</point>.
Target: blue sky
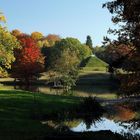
<point>67,18</point>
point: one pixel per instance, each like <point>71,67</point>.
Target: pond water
<point>103,91</point>
<point>106,124</point>
<point>129,130</point>
<point>123,121</point>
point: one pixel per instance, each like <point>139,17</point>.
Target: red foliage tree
<point>29,60</point>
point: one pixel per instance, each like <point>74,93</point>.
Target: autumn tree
<point>29,60</point>
<point>127,15</point>
<point>114,54</point>
<point>36,35</point>
<point>52,38</point>
<point>16,32</point>
<point>2,17</point>
<point>7,44</point>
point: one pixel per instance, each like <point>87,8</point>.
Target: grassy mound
<point>93,63</point>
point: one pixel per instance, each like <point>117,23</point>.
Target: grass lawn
<point>17,110</point>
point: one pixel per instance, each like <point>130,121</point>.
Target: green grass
<point>84,69</point>
<point>95,62</point>
<point>17,109</point>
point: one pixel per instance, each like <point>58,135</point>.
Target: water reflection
<point>123,121</point>
<point>124,128</point>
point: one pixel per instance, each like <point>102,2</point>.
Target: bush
<point>91,105</point>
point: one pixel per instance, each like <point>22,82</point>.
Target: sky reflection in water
<point>106,124</point>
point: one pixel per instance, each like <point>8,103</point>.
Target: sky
<point>67,18</point>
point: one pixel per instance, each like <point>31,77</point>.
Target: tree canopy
<point>127,14</point>
<point>7,45</point>
<point>29,60</point>
<point>2,17</point>
<point>16,32</point>
<point>89,42</point>
<point>36,35</point>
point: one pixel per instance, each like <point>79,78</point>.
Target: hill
<point>94,63</point>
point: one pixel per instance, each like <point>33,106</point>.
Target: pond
<point>102,91</point>
<point>122,121</point>
<point>112,125</point>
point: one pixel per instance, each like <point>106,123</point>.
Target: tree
<point>50,40</point>
<point>2,17</point>
<point>16,32</point>
<point>29,60</point>
<point>7,44</point>
<point>128,13</point>
<point>89,42</point>
<point>65,68</point>
<point>114,54</point>
<point>36,35</point>
<point>75,46</point>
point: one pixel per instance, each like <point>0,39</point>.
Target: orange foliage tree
<point>16,32</point>
<point>52,38</point>
<point>29,60</point>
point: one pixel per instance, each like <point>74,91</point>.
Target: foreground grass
<point>18,108</point>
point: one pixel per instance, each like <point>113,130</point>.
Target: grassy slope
<point>17,109</point>
<point>94,64</point>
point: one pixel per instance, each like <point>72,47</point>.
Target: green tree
<point>65,68</point>
<point>89,42</point>
<point>7,45</point>
<point>75,46</point>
